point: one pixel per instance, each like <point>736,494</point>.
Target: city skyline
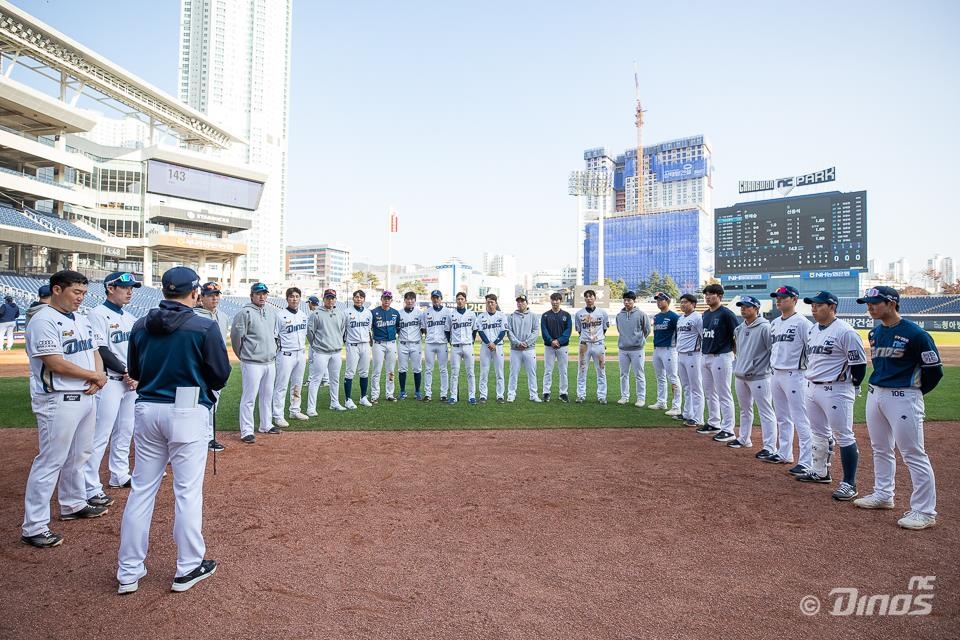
<point>414,107</point>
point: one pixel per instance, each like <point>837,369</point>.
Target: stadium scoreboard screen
<point>803,233</point>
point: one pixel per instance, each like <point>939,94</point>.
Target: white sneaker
<point>337,407</point>
<point>873,501</point>
<point>673,412</point>
<point>349,404</point>
<point>916,520</point>
<point>639,404</point>
<point>658,405</point>
<point>280,422</point>
<point>296,415</point>
<point>535,399</point>
<point>511,398</point>
<point>623,401</point>
<point>365,402</point>
<point>312,414</point>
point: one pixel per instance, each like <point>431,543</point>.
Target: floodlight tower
<point>595,183</point>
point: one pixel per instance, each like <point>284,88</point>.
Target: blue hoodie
<point>173,347</point>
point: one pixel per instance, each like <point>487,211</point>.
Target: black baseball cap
<point>121,279</point>
<point>748,301</point>
<point>823,297</point>
<point>660,295</point>
<point>879,294</point>
<point>786,291</point>
<point>179,280</point>
<point>210,289</point>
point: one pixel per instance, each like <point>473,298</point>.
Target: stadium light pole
<point>594,183</point>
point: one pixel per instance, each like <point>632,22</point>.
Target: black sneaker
<point>763,454</point>
<point>88,511</point>
<point>206,569</point>
<point>724,436</point>
<point>482,399</point>
<point>43,540</point>
<point>248,439</point>
<point>500,400</point>
<point>774,458</point>
<point>100,500</point>
<point>812,477</point>
<point>125,485</point>
<point>707,429</point>
<point>426,398</point>
<point>273,431</point>
<point>678,418</point>
<point>564,398</point>
<point>443,398</point>
<point>798,470</point>
<point>690,422</point>
<point>546,397</point>
<point>736,444</point>
<point>215,446</point>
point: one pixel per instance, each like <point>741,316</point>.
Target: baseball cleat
<point>602,400</point>
<point>100,500</point>
<point>707,429</point>
<point>273,431</point>
<point>657,405</point>
<point>873,501</point>
<point>204,571</point>
<point>418,396</point>
<point>350,404</point>
<point>403,395</point>
<point>280,422</point>
<point>812,477</point>
<point>845,492</point>
<point>312,414</point>
<point>672,412</point>
<point>511,398</point>
<point>564,398</point>
<point>623,401</point>
<point>391,399</point>
<point>916,520</point>
<point>535,399</point>
<point>426,398</point>
<point>215,446</point>
<point>737,444</point>
<point>472,401</point>
<point>337,407</point>
<point>500,400</point>
<point>364,402</point>
<point>43,540</point>
<point>483,399</point>
<point>248,439</point>
<point>774,458</point>
<point>451,401</point>
<point>580,400</point>
<point>296,415</point>
<point>443,398</point>
<point>130,587</point>
<point>546,397</point>
<point>690,422</point>
<point>763,454</point>
<point>798,470</point>
<point>123,485</point>
<point>724,436</point>
<point>88,511</point>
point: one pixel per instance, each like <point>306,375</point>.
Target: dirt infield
<point>506,534</point>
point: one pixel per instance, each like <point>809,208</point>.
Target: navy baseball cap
<point>44,291</point>
<point>8,298</point>
<point>313,300</point>
<point>786,291</point>
<point>629,295</point>
<point>329,293</point>
<point>660,295</point>
<point>259,287</point>
<point>822,297</point>
<point>210,289</point>
<point>386,294</point>
<point>436,293</point>
<point>179,280</point>
<point>121,279</point>
<point>879,294</point>
<point>748,301</point>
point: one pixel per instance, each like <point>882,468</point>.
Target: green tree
<point>416,286</point>
<point>372,279</point>
<point>670,288</point>
<point>359,277</point>
<point>616,288</point>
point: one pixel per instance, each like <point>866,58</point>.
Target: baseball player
<point>523,329</point>
<point>751,371</point>
<point>313,303</point>
<point>690,361</point>
<point>555,326</point>
<point>174,402</point>
<point>836,364</point>
<point>254,338</point>
<point>592,325</point>
<point>410,337</point>
<point>788,357</point>
<point>665,355</point>
<point>717,346</point>
<point>386,321</point>
<point>325,330</point>
<point>357,337</point>
<point>633,326</point>
<point>210,308</point>
<point>906,365</point>
<point>492,329</point>
<point>65,373</point>
<point>9,312</point>
<point>114,424</point>
<point>290,361</point>
<point>462,322</point>
<point>43,293</point>
<point>435,323</point>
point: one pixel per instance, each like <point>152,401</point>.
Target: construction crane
<point>636,83</point>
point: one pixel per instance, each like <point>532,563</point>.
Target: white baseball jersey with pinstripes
<point>831,350</point>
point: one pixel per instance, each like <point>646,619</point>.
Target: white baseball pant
<point>487,356</point>
<point>358,360</point>
<point>462,353</point>
<point>410,358</point>
<point>435,353</point>
<point>525,359</point>
<point>895,419</point>
<point>384,353</point>
<point>830,410</point>
<point>6,334</point>
<point>750,392</point>
<point>257,379</point>
<point>65,423</point>
<point>665,367</point>
<point>114,425</point>
<point>558,356</point>
<point>717,371</point>
<point>689,369</point>
<point>324,366</point>
<point>290,368</point>
<point>788,398</point>
<point>591,351</point>
<point>164,433</point>
<point>632,359</point>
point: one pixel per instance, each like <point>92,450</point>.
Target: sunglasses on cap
<point>876,293</point>
<point>123,277</point>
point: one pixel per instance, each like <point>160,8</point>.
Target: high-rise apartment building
<point>235,67</point>
<point>331,264</point>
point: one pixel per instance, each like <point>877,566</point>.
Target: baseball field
<point>426,521</point>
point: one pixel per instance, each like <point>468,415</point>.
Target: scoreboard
<point>190,183</point>
<point>802,233</point>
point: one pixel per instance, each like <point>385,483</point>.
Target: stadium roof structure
<point>30,43</point>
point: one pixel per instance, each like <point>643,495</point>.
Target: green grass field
<point>941,404</point>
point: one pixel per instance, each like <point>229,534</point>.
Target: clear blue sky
<point>467,117</point>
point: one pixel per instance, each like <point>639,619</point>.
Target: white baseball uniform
<point>436,322</point>
<point>461,350</point>
<point>689,363</point>
<point>409,337</point>
<point>492,329</point>
<point>592,325</point>
<point>357,339</point>
<point>290,360</point>
<point>788,357</point>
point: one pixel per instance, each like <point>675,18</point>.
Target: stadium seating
<point>39,221</point>
<point>13,218</point>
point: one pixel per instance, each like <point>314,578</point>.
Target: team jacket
<point>753,349</point>
<point>217,317</point>
<point>523,327</point>
<point>173,347</point>
<point>633,327</point>
<point>255,332</point>
<point>556,326</point>
<point>325,330</point>
<point>9,312</point>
